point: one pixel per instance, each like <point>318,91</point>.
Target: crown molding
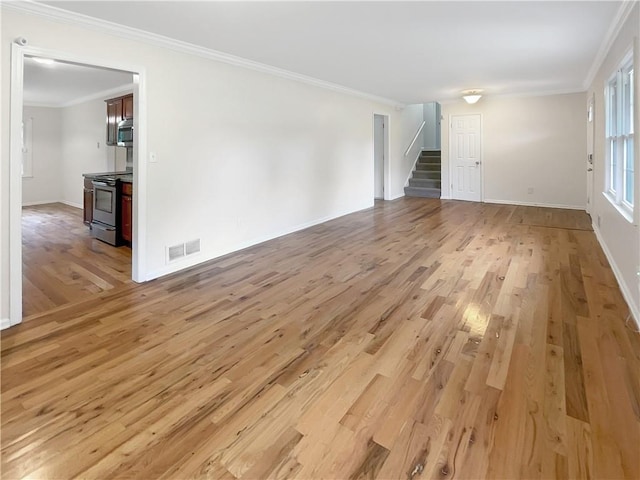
<point>612,33</point>
<point>531,94</point>
<point>102,95</point>
<point>64,16</point>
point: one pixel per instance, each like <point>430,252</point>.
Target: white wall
<point>619,237</point>
<point>403,130</point>
<point>68,142</point>
<point>528,142</point>
<point>45,184</point>
<point>432,126</point>
<point>242,156</point>
<point>83,147</point>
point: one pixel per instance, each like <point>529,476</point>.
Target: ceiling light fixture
<point>471,96</point>
<point>44,61</point>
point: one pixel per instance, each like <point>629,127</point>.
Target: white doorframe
<point>138,266</point>
<point>386,138</point>
<point>590,150</point>
<point>481,166</point>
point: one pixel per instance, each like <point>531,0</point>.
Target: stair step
<point>428,166</point>
<point>430,153</point>
<point>433,174</point>
<point>422,192</point>
<point>429,161</point>
<point>424,182</point>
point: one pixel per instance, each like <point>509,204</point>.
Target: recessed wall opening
<point>59,132</point>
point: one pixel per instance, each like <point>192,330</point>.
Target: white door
<point>466,162</point>
<point>378,156</point>
<point>590,140</point>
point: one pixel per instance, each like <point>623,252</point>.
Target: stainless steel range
<point>106,211</point>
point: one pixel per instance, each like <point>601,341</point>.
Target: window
<point>27,141</point>
<point>619,186</point>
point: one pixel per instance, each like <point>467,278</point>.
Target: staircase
<point>425,181</point>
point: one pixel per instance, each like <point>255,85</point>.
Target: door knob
<point>477,163</point>
<point>589,169</point>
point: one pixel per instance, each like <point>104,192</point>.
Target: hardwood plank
<point>417,339</point>
<point>62,263</point>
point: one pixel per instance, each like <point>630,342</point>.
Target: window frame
<point>620,137</point>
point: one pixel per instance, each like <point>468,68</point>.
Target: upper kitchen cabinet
<point>127,107</point>
<point>118,109</point>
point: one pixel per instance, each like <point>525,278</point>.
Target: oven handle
<point>102,184</point>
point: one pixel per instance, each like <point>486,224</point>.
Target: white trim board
<point>612,33</point>
<point>180,266</point>
<point>528,94</point>
<point>102,95</point>
<point>624,288</point>
<point>111,28</point>
<point>42,202</point>
<point>534,204</point>
<point>72,204</point>
<point>138,266</point>
<point>4,323</point>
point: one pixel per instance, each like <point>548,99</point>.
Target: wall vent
<point>192,247</point>
<point>181,250</point>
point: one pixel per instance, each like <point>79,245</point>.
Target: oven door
<point>104,203</point>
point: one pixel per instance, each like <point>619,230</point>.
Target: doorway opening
<point>590,151</point>
<point>380,156</point>
<point>52,189</point>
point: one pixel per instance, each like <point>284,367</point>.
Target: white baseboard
<point>43,202</point>
<point>624,288</point>
<point>178,266</point>
<point>4,323</point>
<point>47,202</point>
<point>71,204</point>
<point>535,204</point>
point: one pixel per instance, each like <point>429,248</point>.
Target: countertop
<point>124,176</point>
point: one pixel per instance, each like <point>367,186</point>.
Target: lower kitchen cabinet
<point>126,217</point>
<point>88,202</point>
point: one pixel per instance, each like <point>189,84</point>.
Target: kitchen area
<point>77,182</point>
<point>108,196</point>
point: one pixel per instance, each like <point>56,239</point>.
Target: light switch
<point>152,157</point>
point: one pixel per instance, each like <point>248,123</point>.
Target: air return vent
<point>181,250</point>
<point>192,247</point>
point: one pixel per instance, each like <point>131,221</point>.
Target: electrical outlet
<point>152,157</point>
<point>530,190</point>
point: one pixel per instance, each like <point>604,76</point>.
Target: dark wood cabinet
<point>88,202</point>
<point>118,109</point>
<point>127,107</point>
<point>126,207</point>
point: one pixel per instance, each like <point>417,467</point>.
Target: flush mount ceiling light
<point>471,96</point>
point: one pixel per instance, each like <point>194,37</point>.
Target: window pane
<point>612,108</point>
<point>627,111</point>
<point>632,99</point>
<point>613,164</point>
<point>628,172</point>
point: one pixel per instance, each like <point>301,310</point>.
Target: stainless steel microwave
<point>125,133</point>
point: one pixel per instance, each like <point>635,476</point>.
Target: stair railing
<point>414,139</point>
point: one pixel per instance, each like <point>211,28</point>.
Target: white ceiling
<point>411,52</point>
<point>62,84</point>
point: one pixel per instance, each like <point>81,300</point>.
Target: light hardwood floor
<point>61,262</point>
<point>419,339</point>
